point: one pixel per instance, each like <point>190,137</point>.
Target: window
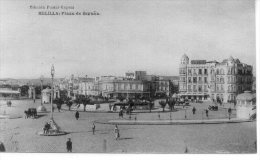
<point>206,79</point>
<point>194,71</point>
<point>194,79</point>
<point>189,71</point>
<point>221,79</point>
<point>205,88</point>
<point>222,89</point>
<point>205,71</point>
<point>200,71</point>
<point>200,79</point>
<point>221,71</point>
<point>189,88</point>
<point>217,71</point>
<point>200,88</point>
<point>189,79</point>
<point>228,79</point>
<point>194,88</point>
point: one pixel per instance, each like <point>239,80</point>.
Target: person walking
<point>229,113</point>
<point>2,147</point>
<point>207,113</point>
<point>77,115</point>
<point>93,128</point>
<point>116,130</point>
<point>69,145</point>
<point>193,110</point>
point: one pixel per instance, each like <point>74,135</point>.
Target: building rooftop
<point>198,61</point>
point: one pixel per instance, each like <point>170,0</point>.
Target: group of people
<point>46,128</point>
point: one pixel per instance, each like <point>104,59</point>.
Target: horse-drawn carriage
<point>30,113</point>
<point>213,108</point>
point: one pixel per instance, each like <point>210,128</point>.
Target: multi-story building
<point>88,86</point>
<point>204,80</point>
<point>134,84</point>
<point>120,87</point>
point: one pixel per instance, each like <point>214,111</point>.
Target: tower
<point>183,73</point>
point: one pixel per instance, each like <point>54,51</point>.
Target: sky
<point>128,35</point>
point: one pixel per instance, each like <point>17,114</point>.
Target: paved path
<point>20,135</point>
<point>171,122</point>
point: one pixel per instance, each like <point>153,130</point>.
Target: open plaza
<point>21,135</point>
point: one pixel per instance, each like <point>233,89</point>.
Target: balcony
<point>220,91</point>
<point>230,91</point>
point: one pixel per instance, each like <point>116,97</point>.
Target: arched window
<point>221,79</point>
<point>217,71</point>
<point>221,71</point>
<point>232,70</point>
<point>229,89</point>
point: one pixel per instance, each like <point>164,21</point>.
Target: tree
<point>163,104</point>
<point>24,90</point>
<point>58,102</point>
<point>85,101</point>
<point>151,103</point>
<point>121,98</point>
<point>68,102</point>
<point>82,100</point>
<point>171,103</point>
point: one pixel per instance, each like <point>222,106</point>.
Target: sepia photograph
<point>128,77</point>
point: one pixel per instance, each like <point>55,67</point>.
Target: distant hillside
<point>27,81</point>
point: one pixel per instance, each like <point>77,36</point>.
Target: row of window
<point>196,80</point>
<point>197,71</point>
<point>231,70</point>
<point>199,88</point>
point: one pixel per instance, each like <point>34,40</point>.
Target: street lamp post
<point>41,78</point>
<point>52,75</point>
<point>55,129</point>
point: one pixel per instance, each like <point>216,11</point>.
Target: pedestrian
<point>45,128</point>
<point>93,128</point>
<point>116,130</point>
<point>193,110</point>
<point>69,145</point>
<point>77,115</point>
<point>121,114</point>
<point>2,147</point>
<point>207,113</point>
<point>229,113</point>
